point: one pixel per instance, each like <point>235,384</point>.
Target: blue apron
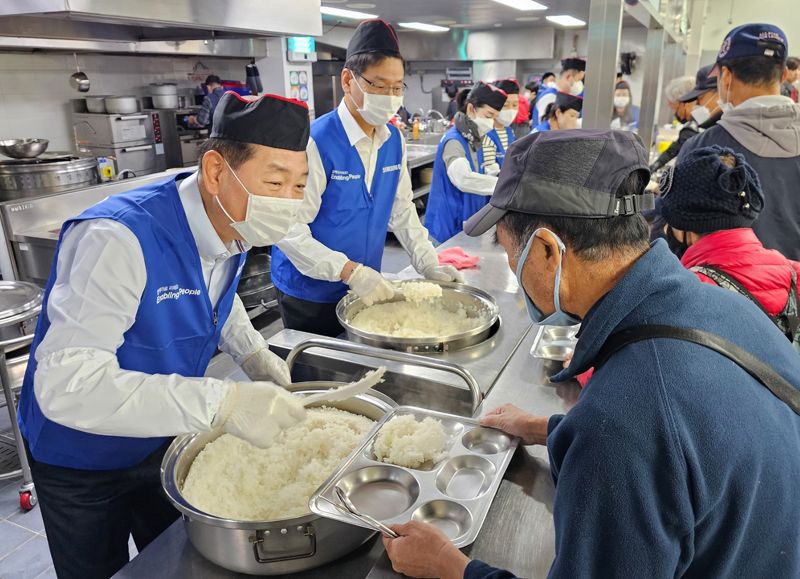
<point>541,127</point>
<point>351,220</point>
<point>501,152</point>
<point>176,331</point>
<point>448,206</point>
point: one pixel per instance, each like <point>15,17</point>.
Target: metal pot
<point>166,88</point>
<point>266,547</point>
<point>96,104</point>
<point>48,173</point>
<point>165,101</point>
<point>122,105</point>
<point>20,305</point>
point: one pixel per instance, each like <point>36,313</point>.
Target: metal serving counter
<point>518,531</point>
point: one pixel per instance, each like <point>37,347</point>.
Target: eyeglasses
<point>382,89</point>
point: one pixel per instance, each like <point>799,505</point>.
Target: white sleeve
<point>468,181</point>
<point>100,277</point>
<point>542,105</point>
<point>239,338</point>
<point>405,224</point>
<point>309,256</point>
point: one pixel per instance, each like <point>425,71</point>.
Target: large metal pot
<point>20,305</point>
<point>255,285</point>
<point>266,547</point>
<point>96,104</point>
<point>48,173</point>
<point>122,105</point>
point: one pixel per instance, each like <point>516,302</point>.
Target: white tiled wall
<point>35,92</point>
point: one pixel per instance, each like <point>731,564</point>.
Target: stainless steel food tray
<point>555,342</point>
<point>475,301</point>
<point>454,493</point>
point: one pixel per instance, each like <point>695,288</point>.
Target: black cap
<point>572,173</point>
<point>374,36</point>
<point>753,40</point>
<point>573,64</point>
<point>213,79</point>
<point>565,101</point>
<point>702,84</point>
<point>508,85</point>
<point>270,120</point>
<point>488,95</point>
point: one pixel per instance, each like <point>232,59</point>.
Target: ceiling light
<point>361,6</point>
<point>526,18</point>
<point>422,26</point>
<point>522,4</point>
<point>445,22</point>
<point>566,20</point>
<point>341,13</point>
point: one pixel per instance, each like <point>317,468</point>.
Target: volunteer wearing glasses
<point>462,180</point>
<point>141,295</point>
<point>502,135</point>
<point>358,189</point>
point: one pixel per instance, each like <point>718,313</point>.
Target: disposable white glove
<point>370,285</point>
<point>443,273</point>
<point>263,365</point>
<point>258,411</point>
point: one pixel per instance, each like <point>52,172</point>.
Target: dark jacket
<point>769,138</point>
<point>674,462</point>
<point>689,130</point>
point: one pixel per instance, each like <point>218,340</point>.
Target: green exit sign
<point>304,44</point>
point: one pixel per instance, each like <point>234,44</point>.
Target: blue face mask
<point>558,317</point>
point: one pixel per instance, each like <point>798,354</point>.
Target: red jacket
<point>524,114</point>
<point>765,273</point>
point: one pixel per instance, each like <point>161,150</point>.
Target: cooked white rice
<point>404,319</point>
<point>233,479</point>
<point>405,442</point>
<point>420,291</point>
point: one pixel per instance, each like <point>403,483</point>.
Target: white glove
<point>370,285</point>
<point>493,170</point>
<point>443,273</point>
<point>258,411</point>
<point>263,365</point>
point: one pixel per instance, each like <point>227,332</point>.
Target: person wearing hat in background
<point>570,81</point>
<point>762,125</point>
<point>710,201</point>
<point>563,113</point>
<point>789,86</point>
<point>214,92</point>
<point>674,462</point>
<point>625,115</point>
<point>704,112</point>
<point>358,189</point>
<point>141,294</point>
<point>463,181</point>
<point>501,136</point>
<point>452,105</point>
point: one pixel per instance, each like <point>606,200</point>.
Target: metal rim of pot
<point>20,308</point>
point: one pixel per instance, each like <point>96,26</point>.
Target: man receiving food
<point>141,295</point>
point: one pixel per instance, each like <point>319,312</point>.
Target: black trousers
<point>308,316</point>
<point>88,515</point>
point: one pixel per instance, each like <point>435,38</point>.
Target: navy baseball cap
<point>574,173</point>
<point>703,83</point>
<point>752,40</point>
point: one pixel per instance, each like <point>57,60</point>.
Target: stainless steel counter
<point>518,532</point>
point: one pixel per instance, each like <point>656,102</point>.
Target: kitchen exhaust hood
<point>143,21</point>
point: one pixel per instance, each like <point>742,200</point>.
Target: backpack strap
<point>728,282</point>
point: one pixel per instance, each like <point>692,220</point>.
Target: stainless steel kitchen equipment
<point>23,148</point>
<point>20,305</point>
<point>255,284</point>
<point>453,493</point>
<point>266,547</point>
<point>555,342</point>
<point>48,173</point>
<point>479,305</point>
<point>180,145</point>
<point>164,95</point>
<point>122,105</point>
<point>78,80</point>
<point>128,138</point>
<point>96,104</point>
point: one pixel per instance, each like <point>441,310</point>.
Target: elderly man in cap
<point>358,189</point>
<point>570,81</point>
<point>680,458</point>
<point>762,125</point>
<point>141,295</point>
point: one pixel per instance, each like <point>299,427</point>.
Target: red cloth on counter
<point>458,258</point>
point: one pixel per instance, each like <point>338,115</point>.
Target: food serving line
<point>517,532</point>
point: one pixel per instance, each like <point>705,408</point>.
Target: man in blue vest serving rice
<point>358,189</point>
<point>141,295</point>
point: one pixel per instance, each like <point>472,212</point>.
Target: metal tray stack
<point>454,493</point>
<point>555,342</point>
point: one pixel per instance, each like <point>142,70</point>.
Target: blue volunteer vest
<point>351,220</point>
<point>539,96</point>
<point>176,331</point>
<point>501,151</point>
<point>541,127</point>
<point>448,206</point>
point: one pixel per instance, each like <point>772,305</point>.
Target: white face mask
<point>724,105</point>
<point>378,108</point>
<point>701,114</point>
<point>267,220</point>
<point>579,123</point>
<point>484,125</point>
<point>550,84</point>
<point>576,88</point>
<point>507,116</point>
<point>621,101</point>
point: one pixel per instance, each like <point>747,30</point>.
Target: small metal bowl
<point>23,148</point>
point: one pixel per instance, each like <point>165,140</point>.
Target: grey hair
<point>678,87</point>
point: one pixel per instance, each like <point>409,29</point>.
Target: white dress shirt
<point>100,277</point>
<point>314,259</point>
